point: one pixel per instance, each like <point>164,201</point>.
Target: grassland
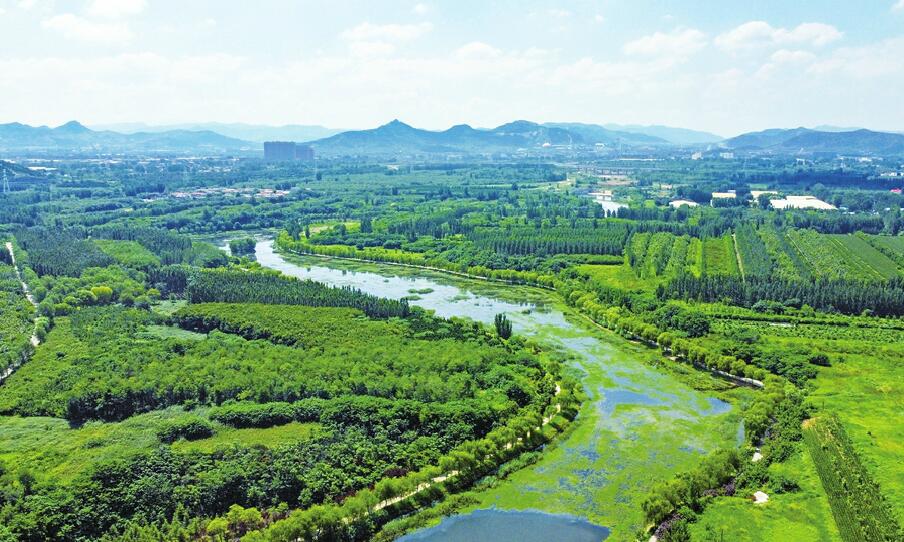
<point>863,386</point>
<point>800,515</point>
<point>128,253</point>
<point>57,453</point>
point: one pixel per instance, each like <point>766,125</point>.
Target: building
<point>679,202</point>
<point>304,153</point>
<point>286,151</point>
<point>731,194</point>
<point>801,202</point>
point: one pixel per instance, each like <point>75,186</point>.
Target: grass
<point>129,253</point>
<point>169,332</point>
<point>53,451</point>
<point>167,307</point>
<point>861,251</point>
<point>270,437</point>
<point>866,391</point>
<point>800,515</point>
<point>619,276</point>
<point>57,453</point>
<point>719,257</point>
<point>840,256</point>
<point>864,386</point>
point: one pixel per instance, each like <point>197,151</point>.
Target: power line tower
<point>6,188</point>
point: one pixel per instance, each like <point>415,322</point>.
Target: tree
<point>503,326</point>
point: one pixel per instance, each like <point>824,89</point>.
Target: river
<point>639,425</point>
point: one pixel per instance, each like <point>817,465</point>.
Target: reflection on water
<point>510,526</point>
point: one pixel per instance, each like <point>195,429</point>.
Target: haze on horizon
<point>725,67</point>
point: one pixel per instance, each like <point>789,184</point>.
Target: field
<point>801,515</point>
<point>860,510</point>
<point>54,452</point>
<point>862,386</point>
<point>128,253</point>
<point>840,256</point>
<point>719,257</point>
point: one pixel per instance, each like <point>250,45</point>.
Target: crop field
<point>884,266</point>
<point>840,256</point>
<point>860,511</point>
<point>651,254</point>
<point>719,256</point>
<point>787,264</point>
<point>754,255</point>
<point>891,246</point>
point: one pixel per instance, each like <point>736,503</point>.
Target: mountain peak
<point>395,123</point>
<point>72,127</point>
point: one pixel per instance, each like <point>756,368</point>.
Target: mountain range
<point>75,137</point>
<point>247,132</point>
<point>678,136</point>
<point>807,141</point>
<point>398,137</point>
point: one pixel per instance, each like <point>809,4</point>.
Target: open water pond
<point>510,526</point>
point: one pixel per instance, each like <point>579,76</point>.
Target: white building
<point>679,202</point>
<point>731,194</point>
<point>802,202</point>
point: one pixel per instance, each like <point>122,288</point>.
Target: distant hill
<point>677,136</point>
<point>247,132</point>
<point>75,137</point>
<point>804,140</point>
<point>594,133</point>
<point>398,137</point>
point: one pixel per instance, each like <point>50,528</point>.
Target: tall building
<point>304,153</point>
<point>283,151</point>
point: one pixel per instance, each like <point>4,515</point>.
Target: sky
<point>723,66</point>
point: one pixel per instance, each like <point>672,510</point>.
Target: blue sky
<point>723,66</point>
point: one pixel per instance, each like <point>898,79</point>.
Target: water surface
<point>510,526</point>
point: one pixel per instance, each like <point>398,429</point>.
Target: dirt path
<point>34,340</point>
<point>443,477</point>
<point>737,253</point>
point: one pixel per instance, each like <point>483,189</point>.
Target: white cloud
<point>114,9</point>
<point>27,4</point>
<point>2,10</point>
<point>598,18</point>
<point>882,59</point>
<point>559,13</point>
<point>371,48</point>
<point>387,32</point>
<point>785,56</point>
<point>759,34</point>
<point>477,49</point>
<point>78,28</point>
<point>680,42</point>
<point>422,9</point>
<point>899,6</point>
